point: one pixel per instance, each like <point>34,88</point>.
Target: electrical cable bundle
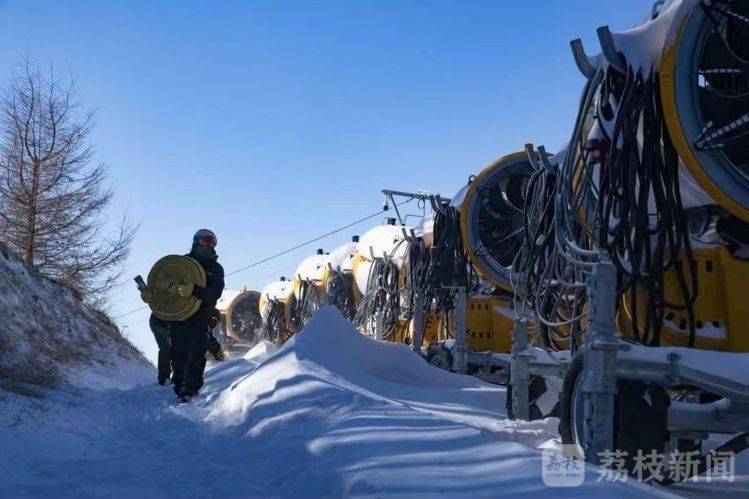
<point>448,263</point>
<point>276,329</point>
<point>434,271</point>
<point>340,293</point>
<point>382,296</point>
<point>644,243</point>
<point>419,261</point>
<point>303,306</point>
<point>616,190</point>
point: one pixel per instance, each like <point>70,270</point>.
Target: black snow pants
<point>160,330</point>
<point>189,343</point>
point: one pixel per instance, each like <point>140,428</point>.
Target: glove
<point>185,290</point>
<point>146,295</point>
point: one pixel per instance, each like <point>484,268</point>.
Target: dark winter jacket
<point>210,294</point>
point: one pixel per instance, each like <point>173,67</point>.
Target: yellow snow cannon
<point>379,270</point>
<point>699,53</point>
<point>273,304</point>
<point>166,275</point>
<point>491,210</point>
<point>705,96</point>
<point>308,290</point>
<point>491,217</point>
<point>240,316</point>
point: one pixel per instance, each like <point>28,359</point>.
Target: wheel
<point>440,356</point>
<point>640,414</point>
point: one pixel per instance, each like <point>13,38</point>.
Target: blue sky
<point>273,122</point>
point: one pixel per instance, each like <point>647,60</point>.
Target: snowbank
<point>50,338</point>
<point>353,416</point>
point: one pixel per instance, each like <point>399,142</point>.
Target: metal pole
<point>520,378</point>
<point>418,321</point>
<point>601,345</point>
<point>461,327</point>
<point>379,324</point>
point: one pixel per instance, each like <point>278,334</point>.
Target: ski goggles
<point>208,240</point>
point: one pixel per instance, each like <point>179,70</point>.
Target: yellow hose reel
<point>165,276</point>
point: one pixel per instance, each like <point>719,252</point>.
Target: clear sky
<point>273,122</point>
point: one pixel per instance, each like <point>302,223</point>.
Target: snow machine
<point>241,323</point>
<point>308,290</point>
<point>273,304</point>
<point>637,242</point>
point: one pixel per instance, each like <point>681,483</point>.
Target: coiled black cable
<point>340,293</point>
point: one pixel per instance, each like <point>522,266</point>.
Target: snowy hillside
<point>50,339</point>
<point>333,413</point>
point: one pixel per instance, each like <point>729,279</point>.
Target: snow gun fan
<point>491,217</point>
<point>704,84</point>
<point>165,276</point>
<point>308,290</point>
<point>240,316</point>
<point>274,300</point>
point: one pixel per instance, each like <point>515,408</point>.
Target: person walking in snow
<point>188,339</point>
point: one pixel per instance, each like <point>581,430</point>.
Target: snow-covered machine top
<point>279,290</point>
<point>425,229</point>
<point>227,297</point>
<point>342,257</point>
<point>313,268</point>
<point>385,240</point>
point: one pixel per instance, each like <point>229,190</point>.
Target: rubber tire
<point>638,425</point>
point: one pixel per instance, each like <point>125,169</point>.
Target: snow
<point>261,351</point>
<point>312,268</point>
<point>227,297</point>
<point>342,257</point>
<point>425,227</point>
<point>385,240</point>
<point>332,413</point>
<point>50,338</point>
<point>278,290</point>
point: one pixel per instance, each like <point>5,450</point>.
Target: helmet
<point>205,237</point>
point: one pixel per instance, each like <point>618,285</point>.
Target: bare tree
<point>53,196</point>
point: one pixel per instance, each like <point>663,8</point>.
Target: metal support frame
<point>418,321</point>
<point>520,377</point>
<point>391,194</point>
<point>379,325</point>
<point>460,301</point>
<point>601,346</point>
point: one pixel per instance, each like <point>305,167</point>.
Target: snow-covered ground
<point>332,413</point>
